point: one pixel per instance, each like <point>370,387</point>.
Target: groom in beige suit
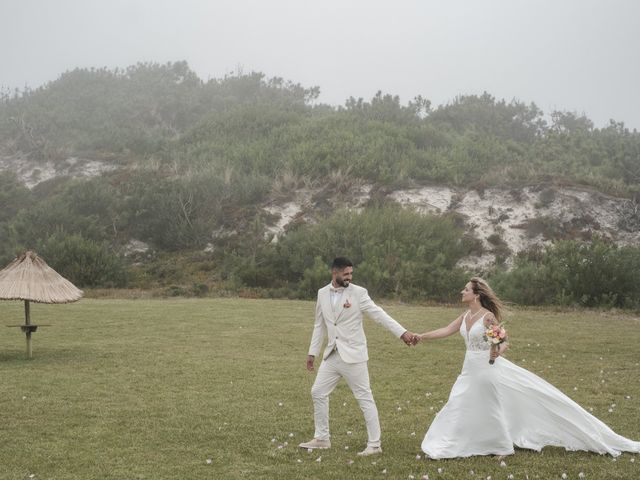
<point>339,312</point>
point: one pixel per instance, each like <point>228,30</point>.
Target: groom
<point>339,312</point>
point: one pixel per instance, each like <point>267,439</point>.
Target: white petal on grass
<point>632,460</point>
<point>346,447</point>
<point>349,462</point>
<point>563,476</point>
<point>425,477</point>
<point>319,459</point>
<point>299,461</point>
<point>348,432</point>
<point>273,440</point>
<point>503,464</point>
<point>291,435</point>
<point>384,472</point>
<point>413,434</point>
<point>418,457</point>
<point>309,450</point>
<point>440,470</point>
<point>510,476</point>
<point>471,472</point>
<point>581,475</point>
<point>209,461</point>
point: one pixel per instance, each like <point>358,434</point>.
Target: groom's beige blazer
<point>342,323</point>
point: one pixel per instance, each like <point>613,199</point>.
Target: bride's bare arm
<point>443,332</point>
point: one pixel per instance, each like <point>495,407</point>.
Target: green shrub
<point>85,262</point>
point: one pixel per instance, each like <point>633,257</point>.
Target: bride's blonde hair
<point>488,298</point>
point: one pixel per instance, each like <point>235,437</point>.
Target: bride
<point>492,408</point>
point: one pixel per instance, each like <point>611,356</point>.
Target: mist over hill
<point>150,177</point>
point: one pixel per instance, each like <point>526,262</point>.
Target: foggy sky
<point>573,55</point>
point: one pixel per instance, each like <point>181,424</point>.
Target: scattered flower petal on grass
<point>309,450</point>
<point>510,476</point>
<point>581,475</point>
<point>413,434</point>
<point>563,476</point>
<point>440,470</point>
<point>471,472</point>
<point>209,461</point>
<point>418,457</point>
<point>299,461</point>
<point>280,404</point>
<point>503,464</point>
<point>319,459</point>
<point>346,447</point>
<point>425,477</point>
<point>384,471</point>
<point>349,462</point>
<point>273,440</point>
<point>348,432</point>
<point>291,435</point>
<point>632,460</point>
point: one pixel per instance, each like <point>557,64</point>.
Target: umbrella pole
<point>27,321</point>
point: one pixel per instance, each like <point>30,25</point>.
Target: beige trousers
<point>357,377</point>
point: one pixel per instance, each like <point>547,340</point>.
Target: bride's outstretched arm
<point>443,332</point>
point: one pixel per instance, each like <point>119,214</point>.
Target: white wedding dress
<point>493,408</point>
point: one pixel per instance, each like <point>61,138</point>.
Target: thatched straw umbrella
<point>30,279</point>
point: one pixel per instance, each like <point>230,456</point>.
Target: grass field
<point>217,389</point>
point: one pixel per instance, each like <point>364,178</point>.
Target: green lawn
<point>217,389</point>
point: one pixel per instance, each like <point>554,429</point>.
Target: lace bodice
<point>474,339</point>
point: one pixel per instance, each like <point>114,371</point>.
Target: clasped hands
<point>410,338</point>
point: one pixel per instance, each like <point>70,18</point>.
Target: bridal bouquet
<point>495,335</point>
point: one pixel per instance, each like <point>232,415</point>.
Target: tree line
<point>198,159</point>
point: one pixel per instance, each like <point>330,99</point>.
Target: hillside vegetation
<point>198,160</point>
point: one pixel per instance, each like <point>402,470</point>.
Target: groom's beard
<point>342,282</point>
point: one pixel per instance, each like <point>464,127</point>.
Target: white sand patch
<point>32,172</point>
<point>425,199</point>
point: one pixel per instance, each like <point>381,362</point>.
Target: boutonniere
<point>347,304</point>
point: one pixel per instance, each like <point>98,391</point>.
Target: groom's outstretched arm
<point>383,318</point>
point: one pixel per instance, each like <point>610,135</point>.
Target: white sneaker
<point>370,451</point>
<point>316,443</point>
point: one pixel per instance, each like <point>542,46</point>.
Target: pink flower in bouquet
<point>495,335</point>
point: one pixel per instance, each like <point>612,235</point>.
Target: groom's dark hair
<point>341,263</point>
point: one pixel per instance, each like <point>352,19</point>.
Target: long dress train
<point>491,408</point>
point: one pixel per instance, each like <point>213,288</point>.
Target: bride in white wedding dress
<point>492,408</point>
